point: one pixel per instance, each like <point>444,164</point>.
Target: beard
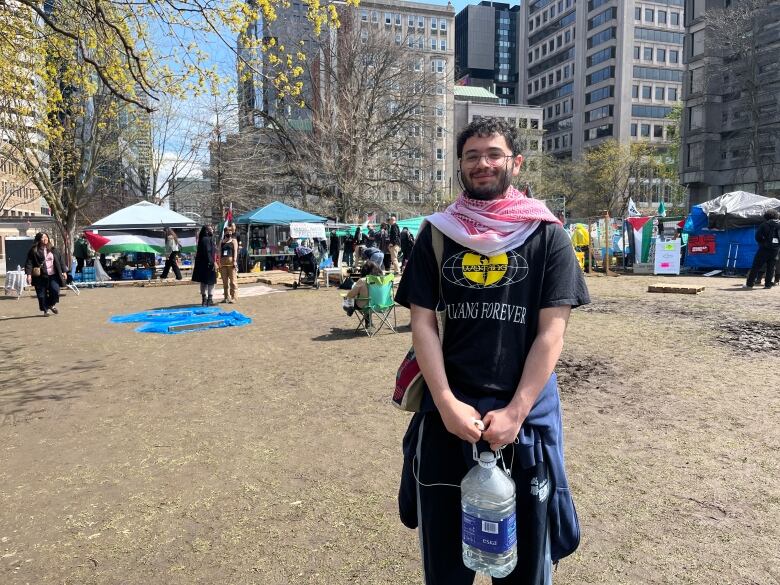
<point>486,192</point>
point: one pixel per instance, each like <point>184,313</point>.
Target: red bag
<point>409,381</point>
<point>409,384</point>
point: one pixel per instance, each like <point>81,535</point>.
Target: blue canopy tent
<point>277,213</point>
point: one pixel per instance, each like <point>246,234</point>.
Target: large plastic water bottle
<point>489,530</point>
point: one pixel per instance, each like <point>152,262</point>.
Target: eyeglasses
<point>493,159</point>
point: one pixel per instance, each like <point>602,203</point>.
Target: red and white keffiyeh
<point>492,227</point>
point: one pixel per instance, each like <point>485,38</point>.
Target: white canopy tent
<point>143,215</point>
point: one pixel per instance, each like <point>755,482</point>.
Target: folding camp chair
<point>379,306</point>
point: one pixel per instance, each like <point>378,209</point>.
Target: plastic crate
<point>142,274</point>
<point>127,274</point>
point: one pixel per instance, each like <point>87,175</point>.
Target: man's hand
<point>502,426</point>
<point>29,279</point>
<point>458,418</point>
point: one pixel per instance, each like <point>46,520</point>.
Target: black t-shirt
<point>492,304</point>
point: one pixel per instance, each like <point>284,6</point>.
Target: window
<point>439,132</point>
<point>635,91</point>
<point>697,43</point>
<point>671,94</point>
<point>695,117</point>
<point>674,56</point>
<point>599,94</point>
<point>364,15</point>
<point>660,55</point>
<point>650,111</point>
<point>557,109</point>
<point>636,52</point>
<point>439,89</point>
<point>649,15</point>
<point>434,23</point>
<point>442,24</point>
<point>648,54</point>
<point>439,175</point>
<point>598,113</point>
<point>646,130</point>
<point>662,17</point>
<point>599,132</point>
<point>658,73</point>
<point>637,13</point>
<point>658,36</point>
<point>433,44</point>
<point>439,111</point>
<point>374,16</point>
<point>600,75</point>
<point>443,45</point>
<point>602,37</point>
<point>388,19</point>
<point>675,18</point>
<point>397,20</point>
<point>420,22</point>
<point>439,154</point>
<point>633,130</point>
<point>603,55</point>
<point>398,39</point>
<point>659,93</point>
<point>658,131</point>
<point>647,92</point>
<point>410,20</point>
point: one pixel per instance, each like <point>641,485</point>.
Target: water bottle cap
<point>487,460</point>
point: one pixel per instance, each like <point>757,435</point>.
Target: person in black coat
<point>46,272</point>
<point>204,270</point>
<point>335,248</point>
<point>768,238</point>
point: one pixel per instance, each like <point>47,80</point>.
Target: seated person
<point>374,255</point>
<point>359,290</point>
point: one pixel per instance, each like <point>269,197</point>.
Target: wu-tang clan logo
<point>472,270</point>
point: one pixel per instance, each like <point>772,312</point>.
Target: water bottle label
<point>488,536</point>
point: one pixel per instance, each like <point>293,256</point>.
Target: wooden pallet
<point>675,288</point>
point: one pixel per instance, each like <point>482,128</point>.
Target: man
<point>81,251</point>
<point>768,238</point>
<point>407,243</point>
<point>506,280</point>
<point>394,235</point>
<point>374,254</point>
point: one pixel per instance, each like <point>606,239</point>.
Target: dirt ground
<point>270,454</point>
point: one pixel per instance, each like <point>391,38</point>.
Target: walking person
<point>172,249</point>
<point>394,237</point>
<point>407,243</point>
<point>46,272</point>
<point>205,271</point>
<point>228,260</point>
<point>334,248</point>
<point>768,238</point>
<point>349,250</point>
<point>82,252</point>
<point>503,271</point>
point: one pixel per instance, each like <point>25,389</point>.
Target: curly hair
<point>485,127</point>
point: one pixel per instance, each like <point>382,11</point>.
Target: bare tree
<point>373,119</point>
<point>744,45</point>
<point>178,137</point>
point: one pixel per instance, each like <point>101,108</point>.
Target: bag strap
<point>437,240</point>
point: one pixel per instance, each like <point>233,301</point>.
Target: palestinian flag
<point>122,241</point>
<point>643,237</point>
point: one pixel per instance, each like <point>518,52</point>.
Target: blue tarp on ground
<point>162,320</point>
<point>277,213</point>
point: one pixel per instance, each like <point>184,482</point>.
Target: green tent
<point>413,223</point>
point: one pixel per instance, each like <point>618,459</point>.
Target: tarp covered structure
<point>733,210</point>
<point>722,231</point>
<point>139,228</point>
<point>277,213</point>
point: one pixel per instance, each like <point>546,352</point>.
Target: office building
<point>729,129</point>
<point>602,69</point>
<point>487,37</point>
